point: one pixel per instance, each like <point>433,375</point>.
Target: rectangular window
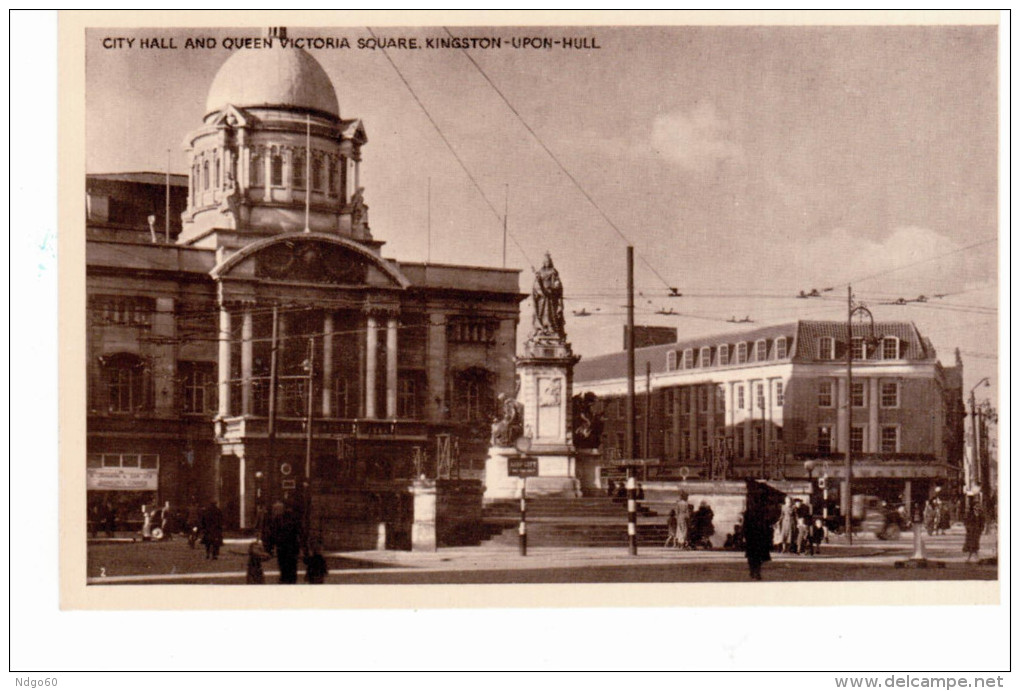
<point>890,348</point>
<point>688,359</point>
<point>702,442</point>
<point>761,351</point>
<point>199,387</point>
<point>857,395</point>
<point>781,348</point>
<point>857,348</point>
<point>685,443</point>
<point>857,439</point>
<point>344,405</point>
<point>890,439</point>
<point>297,169</point>
<point>724,355</point>
<point>702,399</point>
<point>825,440</point>
<point>671,361</point>
<point>779,394</point>
<point>706,357</point>
<point>740,396</point>
<point>276,170</point>
<point>740,444</point>
<point>825,394</point>
<point>826,349</point>
<point>760,395</point>
<point>741,353</point>
<point>317,164</point>
<point>720,398</point>
<point>667,444</point>
<point>407,398</point>
<point>205,175</point>
<point>890,394</point>
<point>685,400</point>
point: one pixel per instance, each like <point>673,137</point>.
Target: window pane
<point>763,350</point>
<point>824,440</point>
<point>94,460</point>
<point>276,170</point>
<point>890,349</point>
<point>825,394</point>
<point>781,348</point>
<point>858,395</point>
<point>129,460</point>
<point>890,394</point>
<point>857,345</point>
<point>150,460</point>
<point>111,460</point>
<point>857,439</point>
<point>724,355</point>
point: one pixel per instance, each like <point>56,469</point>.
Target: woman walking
<point>973,523</point>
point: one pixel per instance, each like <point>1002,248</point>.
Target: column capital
<point>382,310</point>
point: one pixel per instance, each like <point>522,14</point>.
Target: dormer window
<point>781,348</point>
<point>256,169</point>
<point>857,348</point>
<point>706,357</point>
<point>688,359</point>
<point>724,354</point>
<point>761,350</point>
<point>741,353</point>
<point>890,348</point>
<point>826,348</point>
<point>671,361</point>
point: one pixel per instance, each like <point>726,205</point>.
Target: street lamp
<point>851,310</point>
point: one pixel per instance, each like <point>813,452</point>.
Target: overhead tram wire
<point>453,151</point>
<point>557,161</point>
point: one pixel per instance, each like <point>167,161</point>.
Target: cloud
<point>911,260</point>
<point>697,140</point>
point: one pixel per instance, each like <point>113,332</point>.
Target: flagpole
<point>166,224</point>
<point>308,170</point>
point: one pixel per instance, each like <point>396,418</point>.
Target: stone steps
<point>595,535</point>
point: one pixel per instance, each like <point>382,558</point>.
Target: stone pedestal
<point>546,373</point>
<point>423,527</point>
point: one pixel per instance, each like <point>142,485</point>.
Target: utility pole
<point>629,443</point>
<point>308,419</point>
<point>848,519</point>
<point>648,411</point>
<point>272,466</point>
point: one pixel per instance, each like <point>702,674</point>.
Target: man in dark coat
<point>212,530</point>
<point>757,529</point>
<point>285,541</point>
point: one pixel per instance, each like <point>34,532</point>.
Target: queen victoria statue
<point>547,295</point>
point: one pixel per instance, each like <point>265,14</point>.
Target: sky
<point>745,164</point>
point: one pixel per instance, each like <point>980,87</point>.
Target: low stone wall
<point>458,512</point>
<point>362,518</point>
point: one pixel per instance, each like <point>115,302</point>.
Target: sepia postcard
<point>545,310</point>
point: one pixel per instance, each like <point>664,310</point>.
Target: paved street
<point>868,559</point>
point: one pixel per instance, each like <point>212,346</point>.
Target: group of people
<point>284,534</point>
<point>796,531</point>
<point>937,516</point>
<point>689,528</point>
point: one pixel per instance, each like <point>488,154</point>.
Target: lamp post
<point>851,310</point>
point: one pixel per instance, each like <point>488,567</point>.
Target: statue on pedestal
<point>547,296</point>
<point>506,430</point>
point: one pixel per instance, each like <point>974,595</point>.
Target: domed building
<point>263,348</point>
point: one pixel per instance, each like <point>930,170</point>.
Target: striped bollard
<point>632,514</point>
<point>523,529</point>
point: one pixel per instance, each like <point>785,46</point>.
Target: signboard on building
<point>122,479</point>
<point>526,466</point>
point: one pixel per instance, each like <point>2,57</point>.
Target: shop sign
<point>122,479</point>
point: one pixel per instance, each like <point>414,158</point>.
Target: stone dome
<point>274,77</point>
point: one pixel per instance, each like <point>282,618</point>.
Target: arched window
<point>276,170</point>
<point>217,178</point>
<point>724,354</point>
<point>334,178</point>
<point>741,353</point>
<point>781,348</point>
<point>297,168</point>
<point>255,171</point>
<point>761,350</point>
<point>205,175</point>
<point>126,382</point>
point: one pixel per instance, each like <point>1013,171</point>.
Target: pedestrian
<point>815,536</point>
<point>683,521</point>
<point>610,488</point>
<point>786,523</point>
<point>256,555</point>
<point>109,518</point>
<point>165,520</point>
<point>973,523</point>
<point>211,524</point>
<point>802,521</point>
<point>671,529</point>
<point>147,517</point>
<point>929,517</point>
<point>285,541</point>
<point>315,564</point>
<point>701,526</point>
<point>757,529</point>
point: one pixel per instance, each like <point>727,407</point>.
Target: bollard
<point>631,514</point>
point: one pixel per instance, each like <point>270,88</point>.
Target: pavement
<point>119,560</point>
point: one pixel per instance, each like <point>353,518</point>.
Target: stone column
<point>246,361</point>
<point>267,172</point>
<point>435,363</point>
<point>224,362</point>
<point>391,368</point>
<point>241,493</point>
<point>327,364</point>
<point>423,527</point>
<point>371,364</point>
